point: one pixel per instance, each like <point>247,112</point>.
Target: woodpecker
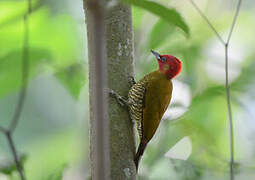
<point>149,98</point>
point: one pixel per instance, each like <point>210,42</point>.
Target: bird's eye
<point>163,59</point>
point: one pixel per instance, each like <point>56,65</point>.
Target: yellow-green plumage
<point>149,99</point>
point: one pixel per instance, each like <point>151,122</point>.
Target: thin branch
<point>227,87</point>
<point>231,128</point>
<point>230,120</point>
<point>19,107</point>
<point>207,21</point>
<point>29,7</point>
<point>24,81</point>
<point>234,20</point>
<point>15,155</point>
<point>2,129</point>
<point>20,104</point>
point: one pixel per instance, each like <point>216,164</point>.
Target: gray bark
<point>99,123</point>
<point>119,40</point>
<point>115,49</point>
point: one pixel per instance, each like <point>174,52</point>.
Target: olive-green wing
<point>157,97</point>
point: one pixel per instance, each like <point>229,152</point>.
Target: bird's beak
<point>157,55</point>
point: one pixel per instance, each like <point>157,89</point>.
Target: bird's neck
<point>171,72</point>
<point>163,75</point>
<point>167,74</point>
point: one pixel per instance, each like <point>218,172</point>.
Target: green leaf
<point>54,49</point>
<point>186,170</point>
<point>58,173</point>
<point>73,78</point>
<point>137,17</point>
<point>8,168</point>
<point>63,47</point>
<point>170,15</point>
<point>245,79</point>
<point>11,68</point>
<point>15,10</point>
<point>162,28</point>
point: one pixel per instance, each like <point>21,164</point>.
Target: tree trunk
<point>99,124</point>
<point>117,40</point>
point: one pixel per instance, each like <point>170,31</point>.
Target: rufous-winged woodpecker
<point>149,98</point>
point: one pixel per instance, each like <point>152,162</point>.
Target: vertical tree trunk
<point>99,123</point>
<point>117,40</point>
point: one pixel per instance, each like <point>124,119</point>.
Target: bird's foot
<point>121,100</point>
<point>131,80</point>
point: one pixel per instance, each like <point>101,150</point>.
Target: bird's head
<point>168,64</point>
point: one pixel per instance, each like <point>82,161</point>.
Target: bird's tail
<point>139,153</point>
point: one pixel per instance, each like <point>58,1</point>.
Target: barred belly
<point>136,102</point>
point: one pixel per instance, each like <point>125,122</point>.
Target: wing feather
<point>148,101</point>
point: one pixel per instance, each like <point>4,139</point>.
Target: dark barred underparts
<point>148,99</point>
<point>136,99</point>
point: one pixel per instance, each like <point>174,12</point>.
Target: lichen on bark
<point>118,49</point>
<point>120,66</point>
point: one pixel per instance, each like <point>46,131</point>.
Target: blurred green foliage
<point>53,49</point>
<point>57,174</point>
<point>158,35</point>
<point>9,167</point>
<point>73,78</point>
<point>169,15</point>
<point>51,46</point>
<point>58,59</point>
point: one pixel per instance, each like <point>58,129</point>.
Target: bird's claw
<point>119,98</point>
<point>131,80</point>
